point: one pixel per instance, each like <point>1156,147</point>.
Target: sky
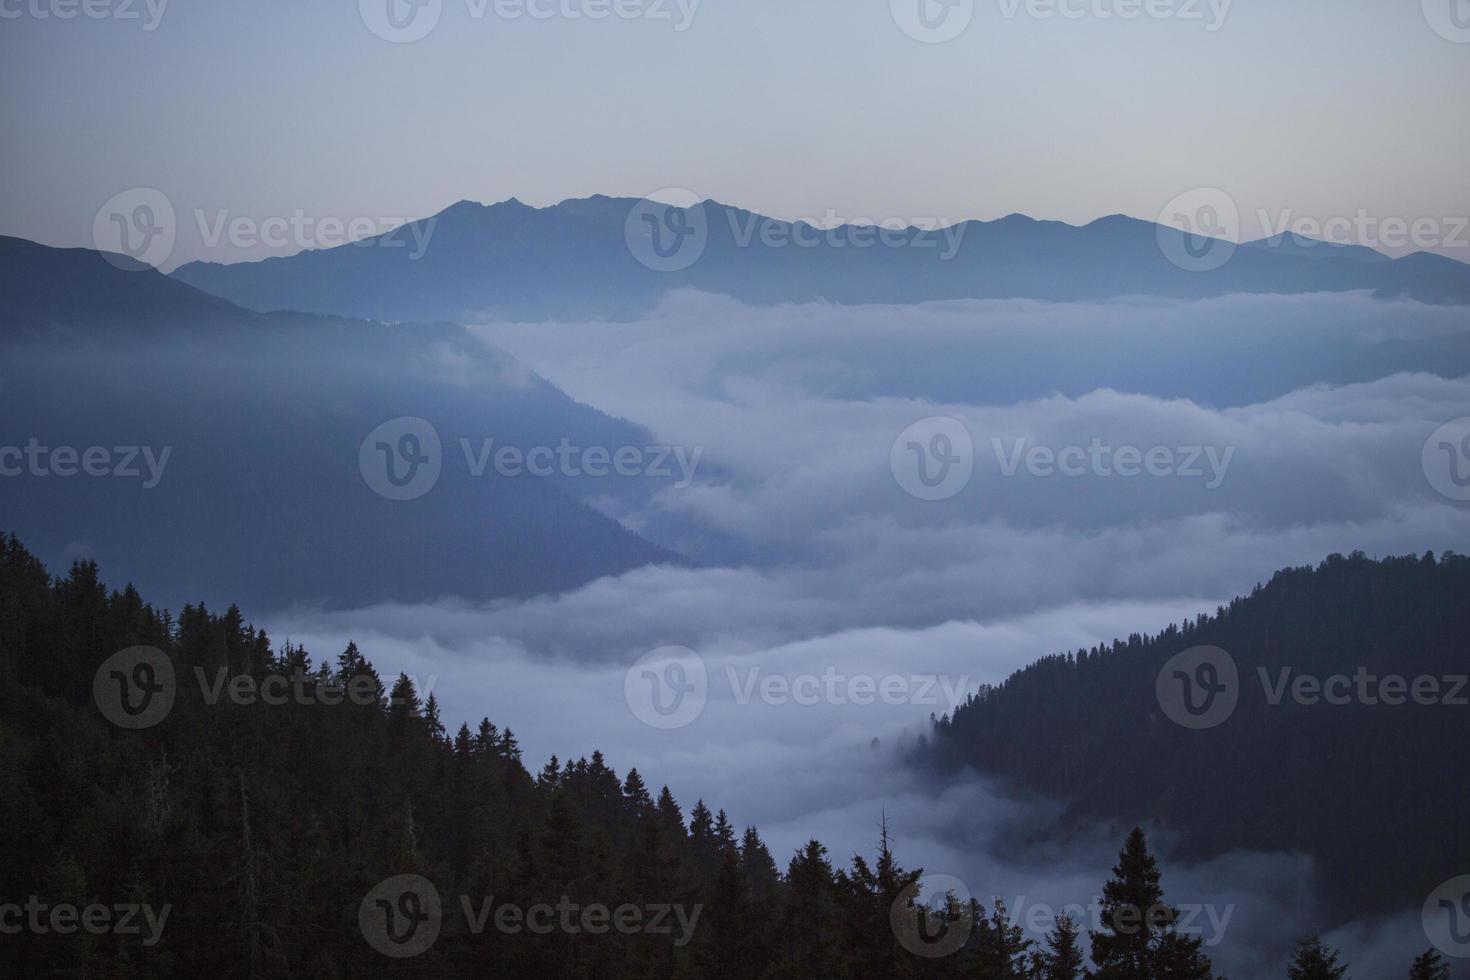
<point>830,110</point>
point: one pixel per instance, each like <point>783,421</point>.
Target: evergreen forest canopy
<point>265,840</point>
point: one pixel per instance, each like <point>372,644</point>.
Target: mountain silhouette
<point>265,491</point>
<point>577,259</point>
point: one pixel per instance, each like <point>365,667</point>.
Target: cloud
<point>846,578</point>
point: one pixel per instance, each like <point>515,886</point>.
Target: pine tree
<point>1138,940</point>
<point>1314,961</point>
<point>1429,965</point>
<point>1063,958</point>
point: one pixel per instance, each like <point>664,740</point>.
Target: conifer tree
<point>1138,939</point>
<point>1429,965</point>
<point>1313,961</point>
<point>1063,957</point>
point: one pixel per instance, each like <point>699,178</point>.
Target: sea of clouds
<point>813,565</point>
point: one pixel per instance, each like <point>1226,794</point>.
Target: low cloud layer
<point>845,576</point>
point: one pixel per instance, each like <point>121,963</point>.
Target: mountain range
<point>250,429</point>
<point>595,258</point>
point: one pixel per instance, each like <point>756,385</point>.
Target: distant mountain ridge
<point>263,491</point>
<point>575,260</point>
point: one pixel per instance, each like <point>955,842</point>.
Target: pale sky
<point>821,109</point>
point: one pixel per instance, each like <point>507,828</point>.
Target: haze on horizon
<point>1068,112</point>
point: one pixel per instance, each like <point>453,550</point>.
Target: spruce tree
<point>1429,966</point>
<point>1314,961</point>
<point>1138,939</point>
<point>1063,958</point>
